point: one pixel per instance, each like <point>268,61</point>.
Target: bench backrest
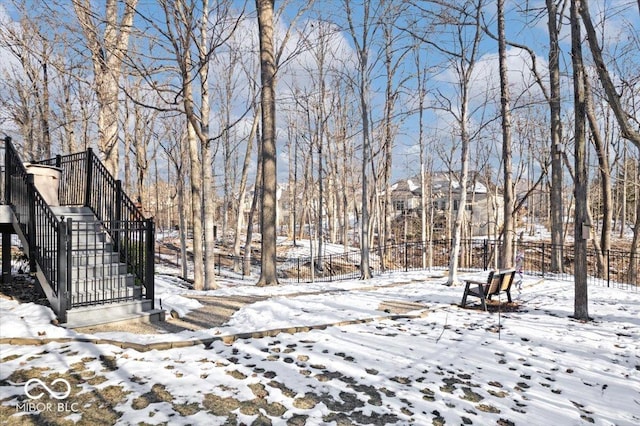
<point>507,279</point>
<point>494,283</point>
<point>499,281</point>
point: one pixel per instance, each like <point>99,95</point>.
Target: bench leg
<point>482,301</point>
<point>464,296</point>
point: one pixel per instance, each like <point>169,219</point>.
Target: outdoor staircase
<point>98,275</point>
<point>91,248</point>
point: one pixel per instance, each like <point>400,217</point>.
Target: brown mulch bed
<point>24,289</point>
<point>496,306</point>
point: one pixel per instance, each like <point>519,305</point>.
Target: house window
<point>467,206</point>
<point>399,205</point>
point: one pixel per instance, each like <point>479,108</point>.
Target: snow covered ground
<point>438,365</point>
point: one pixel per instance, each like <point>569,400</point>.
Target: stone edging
<point>226,339</point>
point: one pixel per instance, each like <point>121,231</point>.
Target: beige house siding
<point>484,208</point>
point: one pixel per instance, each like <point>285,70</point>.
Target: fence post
<point>330,269</point>
<point>406,256</point>
<point>485,254</point>
<point>7,170</point>
<point>543,258</point>
<point>117,220</point>
<point>149,268</point>
<point>298,270</point>
<point>608,268</point>
<point>64,277</point>
<point>31,224</point>
<point>89,178</point>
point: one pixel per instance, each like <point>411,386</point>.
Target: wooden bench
<point>497,282</point>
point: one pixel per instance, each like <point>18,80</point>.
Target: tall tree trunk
<point>196,203</point>
<point>269,172</point>
<point>45,110</point>
<point>465,61</point>
<point>365,272</point>
<point>246,270</point>
<point>242,194</point>
<point>581,217</point>
<point>557,209</point>
<point>634,258</point>
<point>462,201</point>
<point>388,135</point>
<point>420,79</point>
<point>506,252</point>
<point>627,129</point>
<point>362,50</point>
<point>605,181</point>
<point>182,218</point>
<point>207,156</point>
<point>623,196</point>
<point>107,53</point>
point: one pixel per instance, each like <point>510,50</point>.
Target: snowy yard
<point>438,364</point>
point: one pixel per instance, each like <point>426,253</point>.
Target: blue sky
<point>529,29</point>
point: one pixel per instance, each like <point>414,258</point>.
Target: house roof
<point>439,182</point>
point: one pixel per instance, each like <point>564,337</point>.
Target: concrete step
<point>84,248</point>
<point>98,271</point>
<point>73,211</point>
<point>93,257</point>
<point>107,282</point>
<point>101,296</point>
<point>139,311</point>
<point>91,247</point>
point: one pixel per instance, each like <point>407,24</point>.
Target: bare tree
<point>107,39</point>
<point>175,150</point>
<point>613,98</point>
<point>204,52</point>
<point>394,53</point>
<point>581,219</point>
<point>421,95</point>
<point>506,253</point>
<point>361,33</point>
<point>604,169</point>
<point>268,217</point>
<point>557,210</point>
<point>191,37</point>
<point>27,91</point>
<point>242,191</point>
<point>464,20</point>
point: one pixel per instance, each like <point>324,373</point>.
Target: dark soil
<point>24,289</point>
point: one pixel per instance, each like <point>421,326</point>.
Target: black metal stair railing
<point>47,236</point>
<point>84,182</point>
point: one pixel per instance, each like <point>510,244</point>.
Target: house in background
<point>484,215</point>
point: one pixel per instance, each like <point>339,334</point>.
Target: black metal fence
<point>475,255</point>
<point>98,273</point>
<point>613,268</point>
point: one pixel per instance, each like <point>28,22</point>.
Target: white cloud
<point>486,76</point>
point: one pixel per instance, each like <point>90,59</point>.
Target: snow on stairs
<point>102,290</point>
